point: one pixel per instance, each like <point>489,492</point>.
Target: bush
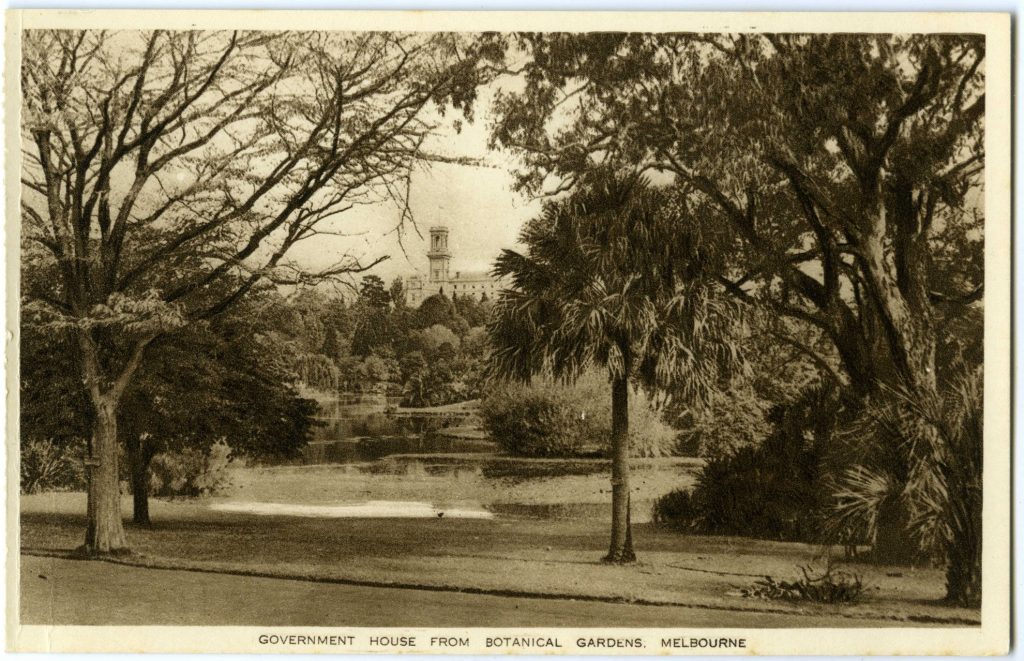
<point>675,510</point>
<point>830,588</point>
<point>50,466</point>
<point>190,472</point>
<point>546,419</point>
<point>774,490</point>
<point>538,422</point>
<point>925,454</point>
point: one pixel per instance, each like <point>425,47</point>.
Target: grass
<point>517,556</point>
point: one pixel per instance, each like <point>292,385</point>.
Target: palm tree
<point>616,275</point>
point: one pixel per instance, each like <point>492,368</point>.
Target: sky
<point>476,203</point>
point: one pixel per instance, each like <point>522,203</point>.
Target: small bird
<point>440,515</point>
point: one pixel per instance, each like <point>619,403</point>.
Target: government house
<point>440,279</point>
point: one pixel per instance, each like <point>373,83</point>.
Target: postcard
<point>356,332</point>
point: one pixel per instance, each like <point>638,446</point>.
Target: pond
<point>355,427</point>
<point>371,460</point>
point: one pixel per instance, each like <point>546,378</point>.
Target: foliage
<point>737,414</point>
<point>939,486</point>
<point>546,418</point>
<point>542,420</point>
<point>226,379</point>
<point>594,291</point>
<point>774,490</point>
<point>373,293</point>
<point>859,158</point>
<point>431,339</point>
<point>397,293</point>
<point>318,371</point>
<point>373,330</point>
<point>676,509</point>
<point>434,310</point>
<point>48,466</point>
<point>331,345</point>
<point>832,587</point>
<point>190,472</point>
<point>221,380</point>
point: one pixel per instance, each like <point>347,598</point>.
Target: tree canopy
<point>616,276</point>
<point>847,168</point>
<point>166,174</point>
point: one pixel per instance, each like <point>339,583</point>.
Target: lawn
<point>504,555</point>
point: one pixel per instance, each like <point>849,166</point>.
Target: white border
<point>995,614</point>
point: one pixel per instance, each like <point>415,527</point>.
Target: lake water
<point>369,460</point>
<point>363,427</point>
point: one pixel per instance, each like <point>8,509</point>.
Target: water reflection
<point>371,449</point>
<point>372,460</point>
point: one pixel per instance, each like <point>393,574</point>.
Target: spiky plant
<point>948,482</point>
<point>616,275</point>
<point>934,469</point>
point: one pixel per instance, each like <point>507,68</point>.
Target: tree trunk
<point>105,531</point>
<point>903,310</point>
<point>140,458</point>
<point>621,550</point>
<point>893,544</point>
<point>963,555</point>
<point>898,291</point>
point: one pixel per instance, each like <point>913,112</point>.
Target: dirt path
<point>58,591</point>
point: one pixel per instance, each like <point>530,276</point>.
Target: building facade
<point>441,280</point>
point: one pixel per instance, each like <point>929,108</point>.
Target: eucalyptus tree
<point>616,275</point>
<point>848,168</point>
<point>158,166</point>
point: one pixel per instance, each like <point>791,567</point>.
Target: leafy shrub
<point>774,490</point>
<point>546,419</point>
<point>837,587</point>
<point>538,422</point>
<point>432,337</point>
<point>675,510</point>
<point>190,472</point>
<point>50,466</point>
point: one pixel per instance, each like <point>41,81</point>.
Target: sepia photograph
<point>455,333</point>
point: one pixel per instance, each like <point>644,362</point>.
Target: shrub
<point>50,466</point>
<point>774,490</point>
<point>924,455</point>
<point>538,422</point>
<point>190,472</point>
<point>830,588</point>
<point>546,419</point>
<point>675,510</point>
<point>432,337</point>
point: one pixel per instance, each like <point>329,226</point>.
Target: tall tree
<point>397,292</point>
<point>228,380</point>
<point>848,169</point>
<point>158,166</point>
<point>616,275</point>
<point>372,292</point>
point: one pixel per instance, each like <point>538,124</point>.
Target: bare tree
<point>165,174</point>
